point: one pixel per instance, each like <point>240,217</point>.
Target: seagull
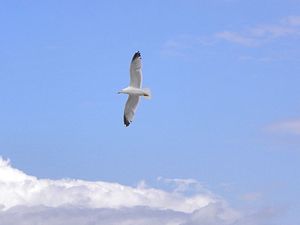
<point>134,90</point>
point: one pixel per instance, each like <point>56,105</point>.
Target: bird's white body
<point>134,90</point>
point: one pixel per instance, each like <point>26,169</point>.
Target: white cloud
<point>27,200</point>
<point>213,214</point>
<point>183,44</point>
<point>255,36</point>
<point>292,20</point>
<point>186,185</point>
<point>251,197</point>
<point>41,215</point>
<point>17,188</point>
<point>259,34</point>
<point>286,127</point>
<point>236,38</point>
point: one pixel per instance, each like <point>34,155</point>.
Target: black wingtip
<point>136,55</point>
<point>126,121</point>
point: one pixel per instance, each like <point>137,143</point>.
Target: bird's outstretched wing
<point>130,107</point>
<point>136,70</point>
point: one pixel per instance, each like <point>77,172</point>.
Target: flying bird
<point>134,90</point>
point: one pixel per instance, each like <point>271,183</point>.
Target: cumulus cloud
<point>17,188</point>
<point>27,200</point>
<point>41,215</point>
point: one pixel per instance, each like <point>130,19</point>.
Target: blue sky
<point>224,75</point>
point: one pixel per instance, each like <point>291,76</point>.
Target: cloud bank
<point>27,200</point>
<point>17,188</point>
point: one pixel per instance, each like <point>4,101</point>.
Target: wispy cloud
<point>292,21</point>
<point>181,45</point>
<point>262,33</point>
<point>26,200</point>
<point>286,127</point>
<point>252,36</point>
<point>252,196</point>
<point>236,38</point>
<point>186,186</point>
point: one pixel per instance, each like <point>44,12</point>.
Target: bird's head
<point>121,92</point>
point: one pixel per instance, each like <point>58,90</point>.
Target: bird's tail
<point>147,93</point>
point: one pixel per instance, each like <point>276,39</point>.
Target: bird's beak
<point>119,92</point>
